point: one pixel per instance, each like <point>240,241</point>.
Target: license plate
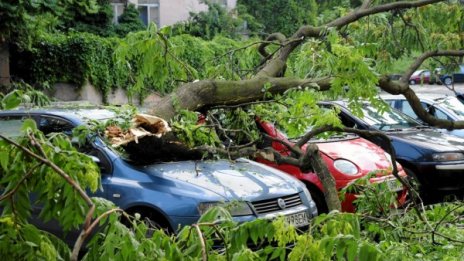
<point>298,219</point>
<point>394,185</point>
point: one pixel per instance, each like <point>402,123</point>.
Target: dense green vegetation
<point>161,60</point>
<point>74,58</point>
<point>374,233</point>
<point>284,16</point>
<point>217,21</point>
<point>81,57</point>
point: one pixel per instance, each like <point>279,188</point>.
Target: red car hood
<point>365,154</point>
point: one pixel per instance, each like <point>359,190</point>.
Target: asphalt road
<point>435,88</point>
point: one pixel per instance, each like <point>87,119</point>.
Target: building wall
<point>173,11</point>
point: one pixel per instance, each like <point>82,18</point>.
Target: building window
<point>118,9</point>
<point>149,11</point>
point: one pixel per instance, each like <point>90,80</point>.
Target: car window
<point>10,126</point>
<point>388,120</point>
<point>103,162</point>
<point>453,104</point>
<point>392,103</point>
<point>406,108</point>
<point>49,124</point>
<point>440,114</point>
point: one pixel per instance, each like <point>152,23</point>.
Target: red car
<point>421,76</point>
<point>347,158</point>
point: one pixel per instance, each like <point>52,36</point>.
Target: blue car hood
<point>431,139</point>
<point>233,180</point>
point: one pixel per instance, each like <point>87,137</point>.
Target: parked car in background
<point>174,194</point>
<point>433,158</point>
<point>348,158</point>
<point>395,77</point>
<point>440,106</point>
<point>421,77</point>
<point>450,78</point>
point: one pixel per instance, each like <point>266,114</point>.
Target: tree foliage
<point>74,58</point>
<point>346,53</point>
<point>217,21</point>
<point>22,21</point>
<point>97,22</point>
<point>57,173</point>
<point>282,16</point>
<point>129,21</point>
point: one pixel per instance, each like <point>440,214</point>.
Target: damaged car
<point>173,194</point>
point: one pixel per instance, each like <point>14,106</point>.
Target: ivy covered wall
<point>72,58</point>
<point>109,62</point>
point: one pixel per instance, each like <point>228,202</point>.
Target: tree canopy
<point>347,53</point>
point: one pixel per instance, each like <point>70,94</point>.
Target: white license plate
<point>298,219</point>
<point>394,185</point>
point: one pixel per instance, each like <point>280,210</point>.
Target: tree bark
<point>323,173</point>
<point>208,93</point>
<point>4,64</point>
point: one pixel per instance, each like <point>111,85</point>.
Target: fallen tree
<point>345,58</point>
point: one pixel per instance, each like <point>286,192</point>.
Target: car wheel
<point>413,180</point>
<point>412,82</point>
<point>319,199</point>
<point>149,218</point>
<point>448,81</point>
<point>424,194</point>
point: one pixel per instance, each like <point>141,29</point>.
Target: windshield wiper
<point>394,130</point>
<point>421,127</point>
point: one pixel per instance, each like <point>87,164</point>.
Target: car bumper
<point>293,215</point>
<point>393,185</point>
<point>441,177</point>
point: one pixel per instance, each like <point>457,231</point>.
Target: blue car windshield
<point>388,120</point>
<point>453,104</point>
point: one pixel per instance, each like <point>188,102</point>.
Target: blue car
<point>435,159</point>
<point>450,78</point>
<point>175,194</point>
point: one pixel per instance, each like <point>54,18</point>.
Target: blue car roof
<point>78,115</point>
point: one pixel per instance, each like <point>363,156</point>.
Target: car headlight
<point>236,208</point>
<point>346,167</point>
<point>307,194</point>
<point>448,156</point>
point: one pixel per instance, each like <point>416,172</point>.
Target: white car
<point>439,105</point>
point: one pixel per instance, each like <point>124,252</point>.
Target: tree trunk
<point>323,173</point>
<point>4,64</point>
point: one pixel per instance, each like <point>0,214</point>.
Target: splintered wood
<point>142,125</point>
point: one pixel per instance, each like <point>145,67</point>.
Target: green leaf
<point>29,124</point>
<point>4,159</point>
<point>11,100</point>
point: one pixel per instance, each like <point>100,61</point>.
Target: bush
<point>73,58</point>
<point>129,21</point>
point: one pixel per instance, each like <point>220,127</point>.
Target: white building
<point>166,12</point>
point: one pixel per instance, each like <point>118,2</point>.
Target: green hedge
<point>73,58</point>
<point>145,64</point>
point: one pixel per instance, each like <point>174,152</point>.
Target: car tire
<point>448,81</point>
<point>318,198</point>
<point>412,82</point>
<point>415,183</point>
<point>149,219</point>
